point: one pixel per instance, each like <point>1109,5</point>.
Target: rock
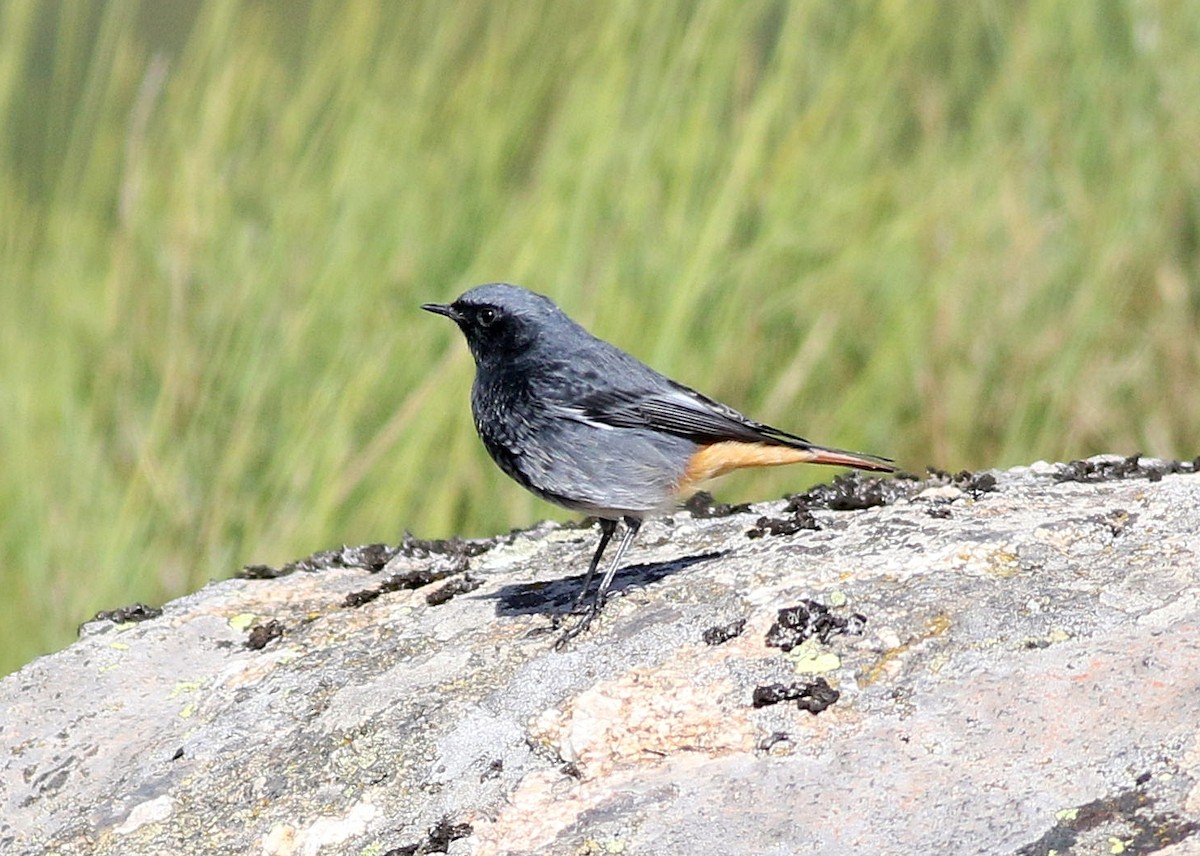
<point>997,663</point>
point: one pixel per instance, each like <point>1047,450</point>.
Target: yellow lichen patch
<point>808,658</point>
<point>937,626</point>
<point>1004,563</point>
<point>242,621</point>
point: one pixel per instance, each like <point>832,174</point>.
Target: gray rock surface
<point>1027,681</point>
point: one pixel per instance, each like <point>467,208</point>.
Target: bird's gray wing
<point>676,409</point>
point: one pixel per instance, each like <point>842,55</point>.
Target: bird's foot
<point>580,626</point>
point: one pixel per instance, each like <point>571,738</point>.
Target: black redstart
<point>586,426</point>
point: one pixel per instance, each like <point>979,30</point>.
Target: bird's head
<point>500,321</point>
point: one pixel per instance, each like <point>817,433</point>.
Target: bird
<point>586,426</point>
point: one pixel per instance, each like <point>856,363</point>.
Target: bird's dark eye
<point>487,316</point>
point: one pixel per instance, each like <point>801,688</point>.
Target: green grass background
<point>961,233</point>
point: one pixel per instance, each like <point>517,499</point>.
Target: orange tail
<point>717,459</point>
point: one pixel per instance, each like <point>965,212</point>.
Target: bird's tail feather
<point>857,460</point>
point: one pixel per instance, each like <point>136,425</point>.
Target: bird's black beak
<point>443,309</point>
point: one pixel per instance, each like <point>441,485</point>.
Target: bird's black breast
<point>504,423</point>
<point>517,429</point>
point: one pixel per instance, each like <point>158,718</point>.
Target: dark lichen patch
<point>420,548</point>
<point>798,518</point>
<point>721,633</point>
<point>437,839</point>
<point>406,581</point>
<point>375,557</point>
<point>371,557</point>
<point>129,614</point>
<point>261,634</point>
<point>814,696</point>
<point>1125,468</point>
<point>853,492</point>
<point>260,572</point>
<point>975,484</point>
<point>361,598</point>
<point>818,697</point>
<point>466,583</point>
<point>702,506</point>
<point>1127,816</point>
<point>797,624</point>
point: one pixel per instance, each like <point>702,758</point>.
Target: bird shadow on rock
<point>557,596</point>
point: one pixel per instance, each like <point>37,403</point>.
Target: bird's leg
<point>607,529</point>
<point>632,524</point>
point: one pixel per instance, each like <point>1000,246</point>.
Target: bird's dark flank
<point>584,425</point>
